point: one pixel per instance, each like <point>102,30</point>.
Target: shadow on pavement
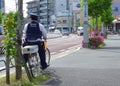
<point>54,80</point>
<point>111,47</point>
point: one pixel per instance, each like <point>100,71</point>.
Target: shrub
<point>96,41</point>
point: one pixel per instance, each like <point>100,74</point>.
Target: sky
<point>11,6</point>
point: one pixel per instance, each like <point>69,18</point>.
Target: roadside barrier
<point>2,50</point>
<point>3,68</point>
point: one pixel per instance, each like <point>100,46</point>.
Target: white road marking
<point>53,53</point>
<point>62,54</point>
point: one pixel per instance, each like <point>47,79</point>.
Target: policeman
<point>34,33</point>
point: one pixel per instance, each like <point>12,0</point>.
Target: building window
<point>64,21</point>
<point>115,9</point>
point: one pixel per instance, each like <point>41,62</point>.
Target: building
<point>63,14</point>
<point>2,6</point>
<point>116,14</point>
<point>116,8</point>
<point>51,11</point>
<point>44,9</point>
<point>33,7</point>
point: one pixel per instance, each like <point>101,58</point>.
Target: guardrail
<point>3,68</point>
<point>1,50</point>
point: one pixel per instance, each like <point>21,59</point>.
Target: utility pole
<point>85,18</point>
<point>68,9</point>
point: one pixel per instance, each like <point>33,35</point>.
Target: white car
<point>80,31</point>
<point>58,32</point>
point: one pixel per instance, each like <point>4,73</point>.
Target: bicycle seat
<point>29,49</point>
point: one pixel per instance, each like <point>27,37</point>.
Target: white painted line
<point>62,50</point>
<point>1,68</point>
<point>61,55</point>
<point>53,53</point>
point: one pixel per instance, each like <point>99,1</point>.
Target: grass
<point>24,81</point>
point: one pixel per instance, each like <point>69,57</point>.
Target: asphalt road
<point>88,67</point>
<point>64,43</point>
<point>57,46</point>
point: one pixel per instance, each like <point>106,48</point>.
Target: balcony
<point>43,8</point>
<point>43,20</point>
<point>43,14</point>
<point>43,2</point>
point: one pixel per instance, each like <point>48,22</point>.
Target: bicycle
<point>33,62</point>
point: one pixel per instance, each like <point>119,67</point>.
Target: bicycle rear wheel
<point>47,52</point>
<point>34,65</point>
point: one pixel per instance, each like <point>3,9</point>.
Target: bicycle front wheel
<point>47,52</point>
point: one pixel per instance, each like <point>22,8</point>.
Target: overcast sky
<point>11,6</point>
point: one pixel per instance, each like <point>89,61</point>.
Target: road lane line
<point>63,54</point>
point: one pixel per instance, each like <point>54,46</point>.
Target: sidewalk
<point>88,67</point>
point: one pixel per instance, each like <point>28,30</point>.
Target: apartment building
<point>116,7</point>
<point>33,7</point>
<point>52,13</point>
<point>44,9</point>
<point>116,14</point>
<point>2,6</point>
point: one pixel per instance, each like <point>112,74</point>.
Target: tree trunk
<point>18,64</point>
<point>19,57</point>
<point>104,31</point>
<point>7,70</point>
<point>96,23</point>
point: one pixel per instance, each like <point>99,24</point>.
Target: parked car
<point>1,34</point>
<point>1,30</point>
<point>80,31</point>
<point>1,38</point>
<point>65,32</point>
<point>58,32</point>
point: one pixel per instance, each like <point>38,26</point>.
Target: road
<point>64,43</point>
<point>59,45</point>
<point>89,67</point>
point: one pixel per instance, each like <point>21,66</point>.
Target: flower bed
<point>95,42</point>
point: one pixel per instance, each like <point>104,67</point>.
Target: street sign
<point>85,11</point>
<point>76,5</point>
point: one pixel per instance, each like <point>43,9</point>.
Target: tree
<point>107,19</point>
<point>9,42</point>
<point>12,30</point>
<point>96,8</point>
<point>0,16</point>
<point>93,23</point>
<point>19,59</point>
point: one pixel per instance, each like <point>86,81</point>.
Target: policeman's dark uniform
<point>33,36</point>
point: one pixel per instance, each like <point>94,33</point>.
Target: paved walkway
<point>89,67</point>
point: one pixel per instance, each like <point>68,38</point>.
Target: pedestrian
<point>34,33</point>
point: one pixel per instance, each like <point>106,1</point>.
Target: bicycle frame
<point>32,51</point>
